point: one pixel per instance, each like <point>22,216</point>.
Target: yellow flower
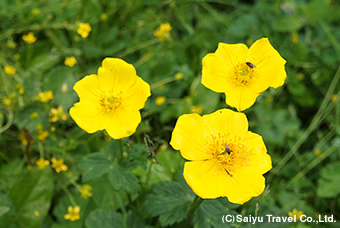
<point>42,135</point>
<point>179,76</point>
<point>11,44</point>
<point>45,96</point>
<point>160,100</point>
<point>318,153</point>
<point>84,29</point>
<point>7,101</point>
<point>57,114</point>
<point>334,98</point>
<point>21,89</point>
<point>36,11</point>
<point>163,32</point>
<point>295,38</point>
<point>110,100</point>
<point>42,163</point>
<point>59,165</point>
<point>10,70</point>
<point>296,213</point>
<point>34,115</point>
<point>29,38</point>
<point>103,16</point>
<point>197,109</point>
<point>242,73</point>
<point>225,159</point>
<point>72,213</point>
<point>36,213</point>
<point>22,138</point>
<point>85,191</point>
<point>70,61</point>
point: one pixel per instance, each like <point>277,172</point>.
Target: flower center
<point>110,103</point>
<point>225,151</point>
<point>244,72</point>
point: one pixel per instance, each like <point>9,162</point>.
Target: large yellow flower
<point>110,100</point>
<point>226,160</point>
<point>242,73</point>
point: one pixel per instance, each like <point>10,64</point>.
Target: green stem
<point>9,114</point>
<point>194,206</point>
<point>121,150</point>
<point>320,115</point>
<point>148,174</point>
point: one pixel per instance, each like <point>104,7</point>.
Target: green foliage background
<point>144,185</point>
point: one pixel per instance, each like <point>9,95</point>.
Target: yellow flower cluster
<point>70,61</point>
<point>84,29</point>
<point>56,114</point>
<point>9,70</point>
<point>42,164</point>
<point>29,38</point>
<point>85,191</point>
<point>72,213</point>
<point>45,96</point>
<point>295,213</point>
<point>163,31</point>
<point>58,165</point>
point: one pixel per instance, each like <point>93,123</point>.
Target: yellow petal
<point>88,89</point>
<point>227,121</point>
<point>202,177</point>
<point>270,66</point>
<point>116,75</point>
<point>123,123</point>
<point>190,137</point>
<point>241,97</point>
<point>76,209</point>
<point>257,158</point>
<point>218,68</point>
<point>135,97</point>
<point>89,117</point>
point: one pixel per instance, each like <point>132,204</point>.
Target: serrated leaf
<point>328,185</point>
<point>94,165</point>
<point>104,219</point>
<point>32,191</point>
<point>170,201</point>
<point>210,212</point>
<point>120,178</point>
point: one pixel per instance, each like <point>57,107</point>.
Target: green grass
<point>138,181</point>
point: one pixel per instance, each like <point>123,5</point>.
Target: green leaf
<point>120,178</point>
<point>328,185</point>
<point>210,212</point>
<point>170,201</point>
<point>4,210</point>
<point>94,165</point>
<point>104,219</point>
<point>32,191</point>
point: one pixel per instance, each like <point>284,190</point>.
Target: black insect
<point>250,65</point>
<point>227,149</point>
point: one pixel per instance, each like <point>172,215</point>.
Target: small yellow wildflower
<point>84,29</point>
<point>295,213</point>
<point>34,115</point>
<point>295,38</point>
<point>36,213</point>
<point>160,100</point>
<point>9,70</point>
<point>11,44</point>
<point>317,152</point>
<point>103,16</point>
<point>197,109</point>
<point>59,165</point>
<point>85,191</point>
<point>21,89</point>
<point>301,76</point>
<point>163,32</point>
<point>57,114</point>
<point>70,61</point>
<point>7,101</point>
<point>179,76</point>
<point>42,163</point>
<point>45,96</point>
<point>334,98</point>
<point>72,213</point>
<point>22,138</point>
<point>29,38</point>
<point>42,135</point>
<point>36,11</point>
